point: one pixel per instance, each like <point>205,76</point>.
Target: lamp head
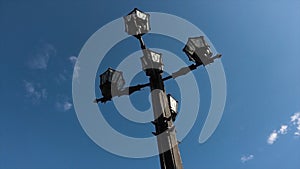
<point>137,22</point>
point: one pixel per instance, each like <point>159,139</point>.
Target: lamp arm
<point>131,89</point>
<point>102,100</point>
<point>126,91</point>
<point>186,70</point>
<point>182,71</point>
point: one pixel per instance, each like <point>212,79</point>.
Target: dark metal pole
<point>165,130</point>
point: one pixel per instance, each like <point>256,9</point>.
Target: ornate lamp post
<point>165,107</point>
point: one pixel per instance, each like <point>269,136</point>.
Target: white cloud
<point>63,103</point>
<point>283,129</point>
<point>247,158</point>
<point>295,120</point>
<point>67,106</point>
<point>29,87</point>
<point>298,127</point>
<point>273,137</point>
<point>41,56</point>
<point>297,133</point>
<point>295,117</point>
<point>73,60</point>
<point>34,91</point>
<point>293,126</point>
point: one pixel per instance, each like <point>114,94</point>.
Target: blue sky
<point>259,40</point>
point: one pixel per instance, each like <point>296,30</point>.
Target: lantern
<point>151,60</point>
<point>137,23</point>
<point>111,82</point>
<point>198,51</point>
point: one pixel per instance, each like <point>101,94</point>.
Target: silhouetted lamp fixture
<point>111,83</point>
<point>173,105</point>
<point>151,60</point>
<point>199,51</point>
<point>137,22</point>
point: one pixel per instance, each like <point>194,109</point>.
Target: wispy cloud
<point>63,103</point>
<point>283,129</point>
<point>295,121</point>
<point>63,106</point>
<point>35,91</point>
<point>295,117</point>
<point>292,125</point>
<point>245,158</point>
<point>275,134</point>
<point>67,106</point>
<point>74,61</point>
<point>273,137</point>
<point>40,58</point>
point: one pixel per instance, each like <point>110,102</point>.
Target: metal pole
<point>165,130</point>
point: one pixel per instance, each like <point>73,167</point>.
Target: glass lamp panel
<point>147,26</point>
<point>115,77</point>
<point>141,15</point>
<point>109,75</point>
<point>155,57</point>
<point>197,42</point>
<point>120,84</point>
<point>173,104</point>
<point>127,19</point>
<point>190,47</point>
<point>105,77</point>
<point>102,79</point>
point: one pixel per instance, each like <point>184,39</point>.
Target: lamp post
<point>165,107</point>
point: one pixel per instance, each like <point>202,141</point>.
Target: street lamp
<point>111,83</point>
<point>151,60</point>
<point>199,51</point>
<point>137,22</point>
<point>165,107</point>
